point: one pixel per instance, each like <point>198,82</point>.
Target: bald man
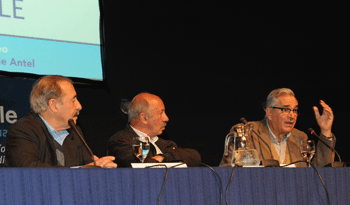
<point>147,118</point>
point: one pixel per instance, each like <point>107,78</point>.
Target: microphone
<point>312,131</point>
<point>74,127</point>
<point>266,162</point>
<point>334,164</point>
<point>243,120</point>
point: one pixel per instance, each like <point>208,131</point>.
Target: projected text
<point>8,10</point>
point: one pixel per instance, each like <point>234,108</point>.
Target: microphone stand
<point>73,126</point>
<point>333,164</point>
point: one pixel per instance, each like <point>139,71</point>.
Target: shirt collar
<point>273,137</point>
<point>59,137</point>
<point>142,134</point>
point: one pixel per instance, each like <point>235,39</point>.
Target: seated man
<point>276,138</point>
<point>43,138</point>
<point>147,118</point>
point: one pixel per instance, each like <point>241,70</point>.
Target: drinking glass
<point>307,150</point>
<point>140,146</point>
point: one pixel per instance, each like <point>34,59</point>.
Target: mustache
<point>77,113</point>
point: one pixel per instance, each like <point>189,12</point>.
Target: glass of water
<point>307,148</point>
<point>140,146</point>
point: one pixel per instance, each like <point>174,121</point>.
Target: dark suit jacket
<point>266,149</point>
<point>119,146</point>
<point>29,144</point>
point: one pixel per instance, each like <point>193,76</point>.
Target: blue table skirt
<point>183,186</point>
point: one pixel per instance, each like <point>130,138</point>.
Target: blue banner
<point>14,104</point>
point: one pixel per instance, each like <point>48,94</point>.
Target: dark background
<point>213,63</point>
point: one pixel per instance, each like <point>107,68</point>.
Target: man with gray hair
<point>44,138</point>
<point>147,118</point>
<point>276,138</point>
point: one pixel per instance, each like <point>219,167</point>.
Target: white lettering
<point>10,116</point>
<point>3,50</point>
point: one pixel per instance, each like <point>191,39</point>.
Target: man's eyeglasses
<point>286,110</point>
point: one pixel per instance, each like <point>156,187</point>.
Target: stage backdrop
<point>14,104</point>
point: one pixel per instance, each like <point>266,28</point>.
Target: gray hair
<point>272,100</point>
<point>44,89</point>
<point>136,107</point>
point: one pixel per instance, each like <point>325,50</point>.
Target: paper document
<point>159,165</point>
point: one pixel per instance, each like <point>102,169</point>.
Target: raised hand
<point>325,121</point>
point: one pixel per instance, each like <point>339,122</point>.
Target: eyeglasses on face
<point>286,110</point>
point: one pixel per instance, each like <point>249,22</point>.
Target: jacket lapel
<point>293,144</point>
<point>268,147</point>
<point>49,139</point>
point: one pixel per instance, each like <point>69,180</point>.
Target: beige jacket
<point>266,149</point>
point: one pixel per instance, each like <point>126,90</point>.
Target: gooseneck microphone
<point>74,127</point>
<point>318,137</point>
<point>266,162</point>
<point>243,120</point>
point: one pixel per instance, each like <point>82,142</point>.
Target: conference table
<point>196,185</point>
